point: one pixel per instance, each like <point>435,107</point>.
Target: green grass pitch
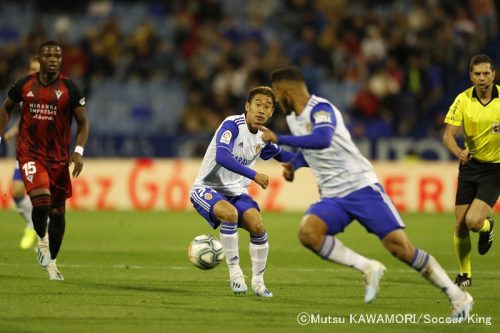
<point>129,272</point>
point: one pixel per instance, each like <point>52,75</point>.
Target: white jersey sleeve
<point>339,169</point>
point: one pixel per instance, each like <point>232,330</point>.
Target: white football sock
<point>435,274</point>
<point>258,254</point>
<point>334,250</point>
<point>24,208</point>
<point>229,240</point>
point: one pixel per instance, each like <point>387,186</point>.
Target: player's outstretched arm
<point>320,138</point>
<point>268,135</point>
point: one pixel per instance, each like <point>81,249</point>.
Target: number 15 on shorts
<point>29,169</point>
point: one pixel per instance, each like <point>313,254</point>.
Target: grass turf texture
<point>129,272</point>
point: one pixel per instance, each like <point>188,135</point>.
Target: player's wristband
<point>79,150</point>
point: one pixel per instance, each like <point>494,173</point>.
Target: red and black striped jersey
<point>46,115</point>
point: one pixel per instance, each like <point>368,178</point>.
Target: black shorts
<point>477,180</point>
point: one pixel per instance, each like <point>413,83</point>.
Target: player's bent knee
<point>226,212</point>
<point>474,223</point>
<point>312,231</point>
<point>228,216</point>
<point>309,238</point>
<point>257,228</point>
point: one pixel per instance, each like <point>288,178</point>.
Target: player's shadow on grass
<point>136,288</point>
<point>19,277</point>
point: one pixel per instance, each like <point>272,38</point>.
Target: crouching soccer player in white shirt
<point>219,192</point>
<point>349,190</point>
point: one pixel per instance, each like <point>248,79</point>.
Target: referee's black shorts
<point>478,180</point>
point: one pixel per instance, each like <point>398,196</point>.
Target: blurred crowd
<point>392,66</point>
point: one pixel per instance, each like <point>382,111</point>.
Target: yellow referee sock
<point>462,251</point>
<point>486,226</point>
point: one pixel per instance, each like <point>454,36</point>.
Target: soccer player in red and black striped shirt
<point>50,101</point>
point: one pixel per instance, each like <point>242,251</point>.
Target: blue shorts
<point>371,206</point>
<point>204,200</point>
<point>17,173</point>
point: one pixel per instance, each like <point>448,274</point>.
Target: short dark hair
<point>287,74</point>
<point>48,43</point>
<point>264,90</point>
<point>480,59</point>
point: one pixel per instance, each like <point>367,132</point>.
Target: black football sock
<point>41,204</point>
<point>57,226</point>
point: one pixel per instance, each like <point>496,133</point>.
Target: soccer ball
<point>205,252</point>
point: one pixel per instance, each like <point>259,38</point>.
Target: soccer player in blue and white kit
<point>219,192</point>
<point>349,190</point>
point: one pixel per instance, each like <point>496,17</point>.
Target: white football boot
<point>237,283</point>
<point>372,278</point>
<point>54,273</point>
<point>461,309</point>
<point>43,251</point>
<point>260,289</point>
